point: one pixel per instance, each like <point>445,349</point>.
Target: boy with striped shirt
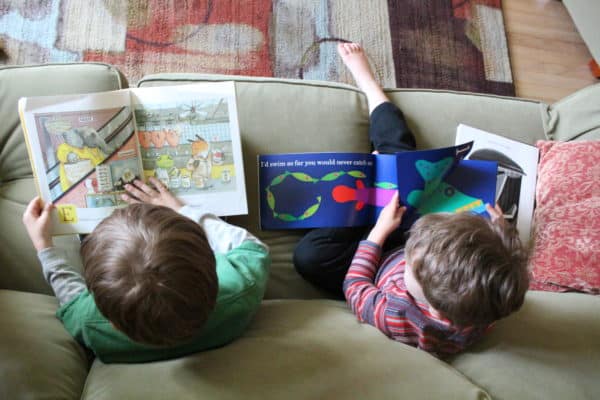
<point>456,275</point>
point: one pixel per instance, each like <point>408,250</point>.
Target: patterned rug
<point>446,44</point>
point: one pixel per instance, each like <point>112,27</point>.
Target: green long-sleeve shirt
<point>242,270</point>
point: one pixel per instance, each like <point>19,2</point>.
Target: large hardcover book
<point>84,148</point>
<point>309,190</point>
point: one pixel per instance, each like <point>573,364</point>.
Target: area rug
<point>445,44</point>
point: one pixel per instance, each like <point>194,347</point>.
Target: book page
<point>190,140</point>
<point>424,185</point>
<point>312,190</point>
<point>83,150</point>
<point>517,173</point>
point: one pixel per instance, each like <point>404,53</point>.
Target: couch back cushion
<point>20,268</point>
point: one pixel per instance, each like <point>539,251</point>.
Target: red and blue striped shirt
<point>376,292</point>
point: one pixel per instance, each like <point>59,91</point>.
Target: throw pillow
<point>566,247</point>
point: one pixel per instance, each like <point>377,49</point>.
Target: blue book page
<point>311,190</point>
<point>470,186</point>
<point>421,176</point>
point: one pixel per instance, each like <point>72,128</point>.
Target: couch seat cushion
<point>295,349</point>
<point>38,358</point>
<point>550,349</point>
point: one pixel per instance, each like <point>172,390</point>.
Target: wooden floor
<point>549,59</point>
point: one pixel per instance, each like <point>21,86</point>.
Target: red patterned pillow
<point>566,254</point>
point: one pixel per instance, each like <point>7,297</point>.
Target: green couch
<point>301,344</point>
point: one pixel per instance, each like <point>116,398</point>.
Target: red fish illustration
<point>373,196</point>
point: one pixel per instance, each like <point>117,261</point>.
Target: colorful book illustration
<point>85,148</point>
<point>310,190</point>
<point>517,173</point>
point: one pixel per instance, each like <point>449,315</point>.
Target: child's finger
<point>158,185</point>
<point>498,209</point>
<point>129,199</point>
<point>144,188</point>
<point>45,212</point>
<point>33,208</point>
<point>137,193</point>
<point>395,201</point>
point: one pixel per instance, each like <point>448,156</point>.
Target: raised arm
<point>66,282</point>
<point>365,299</point>
<point>221,236</point>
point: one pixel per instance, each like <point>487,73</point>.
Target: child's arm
<point>221,236</point>
<point>65,281</point>
<point>365,299</point>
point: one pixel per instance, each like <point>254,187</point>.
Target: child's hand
<point>496,214</point>
<point>36,219</point>
<point>389,220</point>
<point>139,192</point>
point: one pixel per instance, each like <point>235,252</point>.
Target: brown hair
<point>471,270</point>
<point>152,273</point>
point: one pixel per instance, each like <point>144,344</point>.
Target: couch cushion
<point>20,269</point>
<point>547,350</point>
<point>38,358</point>
<point>433,115</point>
<point>566,254</point>
<point>295,349</point>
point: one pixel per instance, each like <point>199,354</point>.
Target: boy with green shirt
<point>161,279</point>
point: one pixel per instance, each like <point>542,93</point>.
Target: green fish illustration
<point>270,199</point>
<point>386,185</point>
<point>357,174</point>
<point>432,171</point>
<point>443,198</point>
<point>279,178</point>
<point>332,176</point>
<point>286,217</point>
<point>310,211</point>
<point>302,177</point>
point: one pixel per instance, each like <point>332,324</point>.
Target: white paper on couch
<point>517,173</point>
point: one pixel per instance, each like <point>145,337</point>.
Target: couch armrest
<point>576,117</point>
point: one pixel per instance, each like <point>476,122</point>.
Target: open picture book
<point>309,190</point>
<point>85,148</point>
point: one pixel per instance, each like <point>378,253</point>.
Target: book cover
<point>517,173</point>
<point>85,148</point>
<point>309,190</point>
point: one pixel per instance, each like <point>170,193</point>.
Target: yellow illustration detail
<point>67,213</point>
<point>76,162</point>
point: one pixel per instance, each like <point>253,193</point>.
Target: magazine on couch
<point>517,173</point>
<point>309,190</point>
<point>84,148</point>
